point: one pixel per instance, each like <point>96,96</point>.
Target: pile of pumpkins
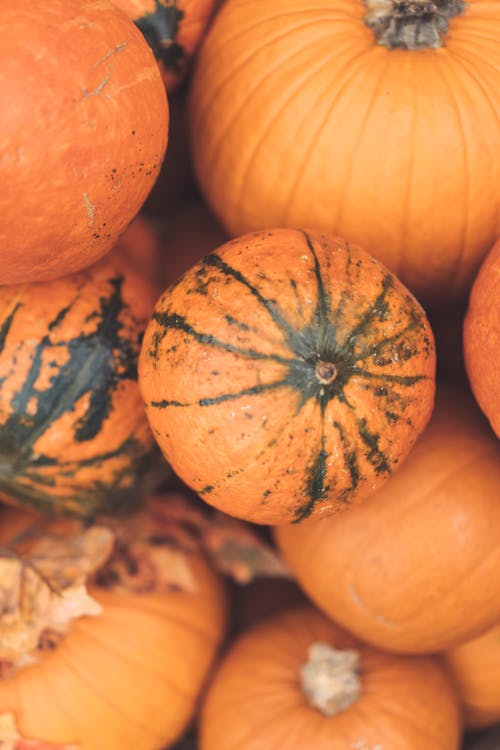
<point>250,269</point>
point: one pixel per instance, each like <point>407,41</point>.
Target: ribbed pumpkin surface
<point>299,118</point>
<point>287,375</point>
<point>127,679</point>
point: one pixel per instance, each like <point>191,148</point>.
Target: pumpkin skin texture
<point>481,337</point>
<point>405,703</point>
<point>128,678</point>
<point>83,137</point>
<point>74,436</point>
<point>475,667</point>
<point>414,569</point>
<point>173,30</point>
<point>286,375</point>
<point>299,118</point>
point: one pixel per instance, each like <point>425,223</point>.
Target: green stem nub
<point>411,24</point>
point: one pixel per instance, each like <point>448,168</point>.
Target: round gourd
<point>481,338</point>
<point>287,375</point>
<point>475,667</point>
<point>173,30</point>
<point>82,138</point>
<point>74,436</point>
<point>128,678</point>
<point>298,681</point>
<point>415,568</point>
<point>317,114</point>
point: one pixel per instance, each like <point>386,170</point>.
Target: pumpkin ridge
<point>212,401</point>
<point>211,166</point>
<point>350,457</point>
<point>214,261</point>
<point>6,325</point>
<point>179,322</point>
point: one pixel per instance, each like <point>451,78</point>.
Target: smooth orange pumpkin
<point>287,375</point>
<point>128,678</point>
<point>415,568</point>
<point>475,667</point>
<point>276,688</point>
<point>313,114</point>
<point>74,436</point>
<point>173,30</point>
<point>481,338</point>
<point>82,138</point>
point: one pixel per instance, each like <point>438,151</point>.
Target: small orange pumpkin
<point>298,681</point>
<point>82,138</point>
<point>359,118</point>
<point>482,338</point>
<point>287,375</point>
<point>74,436</point>
<point>173,29</point>
<point>125,679</point>
<point>415,568</point>
<point>475,667</point>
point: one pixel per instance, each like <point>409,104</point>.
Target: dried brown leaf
<point>44,589</point>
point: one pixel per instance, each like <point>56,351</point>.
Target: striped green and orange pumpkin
<point>74,437</point>
<point>287,375</point>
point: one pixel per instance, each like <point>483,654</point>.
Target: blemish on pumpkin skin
<point>90,209</point>
<point>98,89</point>
<point>357,599</point>
<point>111,52</point>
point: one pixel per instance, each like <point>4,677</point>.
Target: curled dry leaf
<point>238,551</point>
<point>10,739</point>
<point>43,588</point>
<point>152,547</point>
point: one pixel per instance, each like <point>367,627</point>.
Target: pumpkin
<point>481,337</point>
<point>360,118</point>
<point>298,681</point>
<point>74,436</point>
<point>173,30</point>
<point>286,375</point>
<point>475,667</point>
<point>129,677</point>
<point>415,568</point>
<point>83,137</point>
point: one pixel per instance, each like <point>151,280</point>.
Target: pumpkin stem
<point>326,372</point>
<point>411,24</point>
<point>330,678</point>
